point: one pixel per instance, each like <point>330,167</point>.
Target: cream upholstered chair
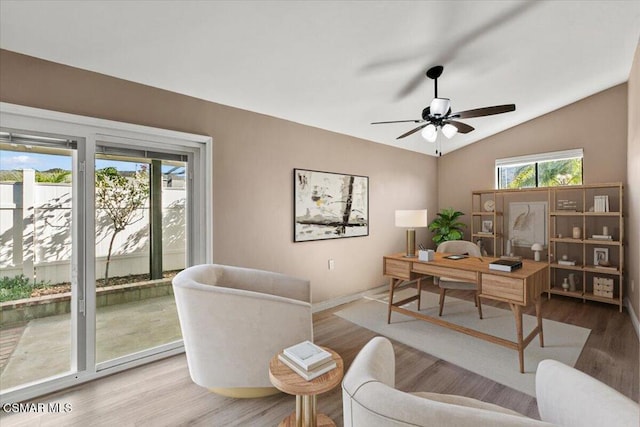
<point>234,320</point>
<point>369,398</point>
<point>444,283</point>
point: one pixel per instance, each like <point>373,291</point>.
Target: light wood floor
<point>162,394</point>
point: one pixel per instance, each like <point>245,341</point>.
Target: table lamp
<point>411,219</point>
<point>536,248</point>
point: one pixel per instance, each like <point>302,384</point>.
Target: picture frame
<point>600,254</point>
<point>527,223</point>
<point>487,226</point>
<point>329,205</point>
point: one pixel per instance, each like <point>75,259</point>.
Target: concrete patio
<point>41,348</point>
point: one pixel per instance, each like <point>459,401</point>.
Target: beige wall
<point>254,156</point>
<point>633,187</point>
<point>598,124</point>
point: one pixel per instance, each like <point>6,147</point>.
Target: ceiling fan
<point>438,115</point>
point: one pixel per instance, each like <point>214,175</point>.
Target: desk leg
<point>392,284</point>
<point>517,311</point>
<point>538,303</point>
<point>419,286</point>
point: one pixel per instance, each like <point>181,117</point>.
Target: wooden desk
<point>519,289</point>
<point>286,380</point>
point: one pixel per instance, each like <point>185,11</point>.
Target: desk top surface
<point>476,264</point>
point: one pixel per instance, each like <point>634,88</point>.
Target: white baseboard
<point>325,305</point>
<point>633,315</point>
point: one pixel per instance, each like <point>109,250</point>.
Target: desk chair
<point>444,283</point>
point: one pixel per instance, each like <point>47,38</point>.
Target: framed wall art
<point>528,223</point>
<point>329,205</point>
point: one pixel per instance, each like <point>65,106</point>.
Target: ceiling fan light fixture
<point>440,106</point>
<point>430,133</point>
<point>449,130</point>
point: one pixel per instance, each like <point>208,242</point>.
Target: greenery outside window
<point>540,170</point>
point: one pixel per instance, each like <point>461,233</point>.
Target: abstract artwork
<point>329,205</point>
<point>528,223</point>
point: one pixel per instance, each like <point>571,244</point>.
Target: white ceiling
<point>341,65</point>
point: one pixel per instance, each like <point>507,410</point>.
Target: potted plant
<point>446,226</point>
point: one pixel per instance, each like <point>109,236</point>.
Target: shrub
<point>18,287</point>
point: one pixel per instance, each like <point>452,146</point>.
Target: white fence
<point>35,233</point>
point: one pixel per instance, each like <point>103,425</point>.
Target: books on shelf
<point>307,355</point>
<point>566,262</point>
<point>601,237</point>
<point>505,265</point>
<point>567,205</point>
<point>601,203</point>
<point>311,373</point>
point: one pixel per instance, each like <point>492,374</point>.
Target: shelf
<point>560,291</point>
<point>602,242</point>
<point>594,269</point>
<point>485,213</point>
<point>565,240</point>
<point>567,213</point>
<point>590,296</point>
<point>566,267</point>
<point>489,236</point>
<point>576,213</point>
<point>613,214</point>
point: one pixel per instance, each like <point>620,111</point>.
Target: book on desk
<point>505,265</point>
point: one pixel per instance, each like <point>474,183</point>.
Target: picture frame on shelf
<point>487,226</point>
<point>600,255</point>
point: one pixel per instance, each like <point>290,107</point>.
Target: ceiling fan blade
<point>486,111</point>
<point>398,121</point>
<point>462,127</point>
<point>412,131</point>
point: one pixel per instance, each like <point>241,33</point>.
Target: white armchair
<point>369,398</point>
<point>234,320</point>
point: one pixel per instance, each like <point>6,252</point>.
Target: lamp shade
<point>449,130</point>
<point>430,133</point>
<point>439,106</point>
<point>537,247</point>
<point>411,218</point>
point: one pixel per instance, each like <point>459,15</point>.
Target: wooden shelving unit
<point>492,241</point>
<point>578,210</point>
<point>582,248</point>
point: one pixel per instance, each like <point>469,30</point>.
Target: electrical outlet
<point>331,264</point>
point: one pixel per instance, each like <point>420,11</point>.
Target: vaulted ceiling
<point>342,65</point>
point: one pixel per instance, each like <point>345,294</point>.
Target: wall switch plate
<point>331,264</point>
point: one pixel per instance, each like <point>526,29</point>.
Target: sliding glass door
<point>141,241</point>
<point>95,219</point>
<point>40,283</point>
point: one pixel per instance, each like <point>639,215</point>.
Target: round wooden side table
<point>285,379</point>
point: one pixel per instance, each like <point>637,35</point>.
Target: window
<point>540,170</point>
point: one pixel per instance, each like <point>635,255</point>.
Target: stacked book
<point>505,265</point>
<point>601,237</point>
<point>566,262</point>
<point>307,360</point>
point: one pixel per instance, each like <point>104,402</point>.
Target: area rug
<point>563,342</point>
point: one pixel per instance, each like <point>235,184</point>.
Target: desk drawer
<point>503,287</point>
<point>397,268</point>
<point>453,273</point>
